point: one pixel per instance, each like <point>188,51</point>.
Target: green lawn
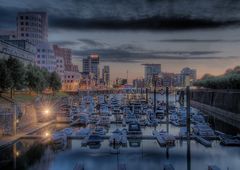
<point>25,97</point>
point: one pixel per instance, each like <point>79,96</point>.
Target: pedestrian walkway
<point>8,140</point>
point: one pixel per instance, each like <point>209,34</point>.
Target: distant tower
<point>106,75</point>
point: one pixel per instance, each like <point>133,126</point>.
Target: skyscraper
<point>91,66</point>
<point>188,76</point>
<point>106,75</point>
<point>32,26</point>
<point>151,73</point>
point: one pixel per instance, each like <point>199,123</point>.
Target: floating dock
<point>202,141</point>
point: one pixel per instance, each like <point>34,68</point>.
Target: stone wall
<point>223,99</point>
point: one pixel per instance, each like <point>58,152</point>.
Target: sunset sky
<point>204,35</point>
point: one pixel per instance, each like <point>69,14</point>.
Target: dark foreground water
<point>139,154</point>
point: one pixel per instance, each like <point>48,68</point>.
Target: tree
<point>17,71</point>
<point>35,79</point>
<point>5,76</point>
<point>54,82</point>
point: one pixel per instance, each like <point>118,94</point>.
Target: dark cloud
<point>65,43</point>
<point>199,40</point>
<point>137,54</point>
<point>128,14</point>
<point>150,23</point>
<point>92,43</point>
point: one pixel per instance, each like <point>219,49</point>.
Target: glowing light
<point>47,134</point>
<point>46,111</point>
<point>17,153</point>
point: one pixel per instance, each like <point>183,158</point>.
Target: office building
<point>91,66</point>
<point>106,75</point>
<point>32,26</point>
<point>19,49</point>
<point>45,57</point>
<point>188,76</point>
<point>69,73</point>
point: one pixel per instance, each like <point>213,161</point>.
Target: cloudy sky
<point>127,33</point>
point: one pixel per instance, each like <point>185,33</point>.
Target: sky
<point>204,35</point>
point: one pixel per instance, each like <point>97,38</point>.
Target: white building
<point>32,26</point>
<point>45,57</point>
<point>19,49</point>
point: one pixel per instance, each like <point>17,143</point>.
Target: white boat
<point>68,131</point>
<point>134,129</point>
<point>203,130</point>
<point>168,166</point>
<point>83,132</point>
<point>59,139</point>
<point>213,167</point>
<point>228,140</point>
<point>159,114</point>
<point>92,139</point>
<point>164,139</point>
<point>99,131</point>
<point>104,121</point>
<point>116,137</point>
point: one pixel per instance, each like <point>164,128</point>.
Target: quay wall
<point>222,104</point>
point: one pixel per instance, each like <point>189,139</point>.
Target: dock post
<point>155,84</point>
<point>147,95</point>
<point>188,111</point>
<point>167,107</point>
<point>14,123</point>
<point>188,129</point>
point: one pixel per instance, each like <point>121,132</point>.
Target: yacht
<point>159,114</point>
<point>83,132</point>
<point>116,137</point>
<point>92,139</point>
<point>134,129</point>
<point>203,130</point>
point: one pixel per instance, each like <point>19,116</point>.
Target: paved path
<point>8,140</point>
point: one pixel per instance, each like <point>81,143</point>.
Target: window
<point>26,34</point>
<point>38,56</point>
<point>26,17</point>
<point>21,17</point>
<point>43,56</point>
<point>26,23</point>
<point>43,50</point>
<point>38,50</point>
<point>22,34</point>
<point>22,23</point>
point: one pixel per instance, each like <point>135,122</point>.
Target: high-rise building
<point>151,73</point>
<point>91,66</point>
<point>95,66</point>
<point>138,83</point>
<point>86,65</point>
<point>188,76</point>
<point>32,26</point>
<point>106,75</point>
<point>68,72</point>
<point>45,57</point>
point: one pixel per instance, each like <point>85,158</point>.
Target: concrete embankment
<point>221,104</point>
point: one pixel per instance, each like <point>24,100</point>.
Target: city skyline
<point>210,48</point>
